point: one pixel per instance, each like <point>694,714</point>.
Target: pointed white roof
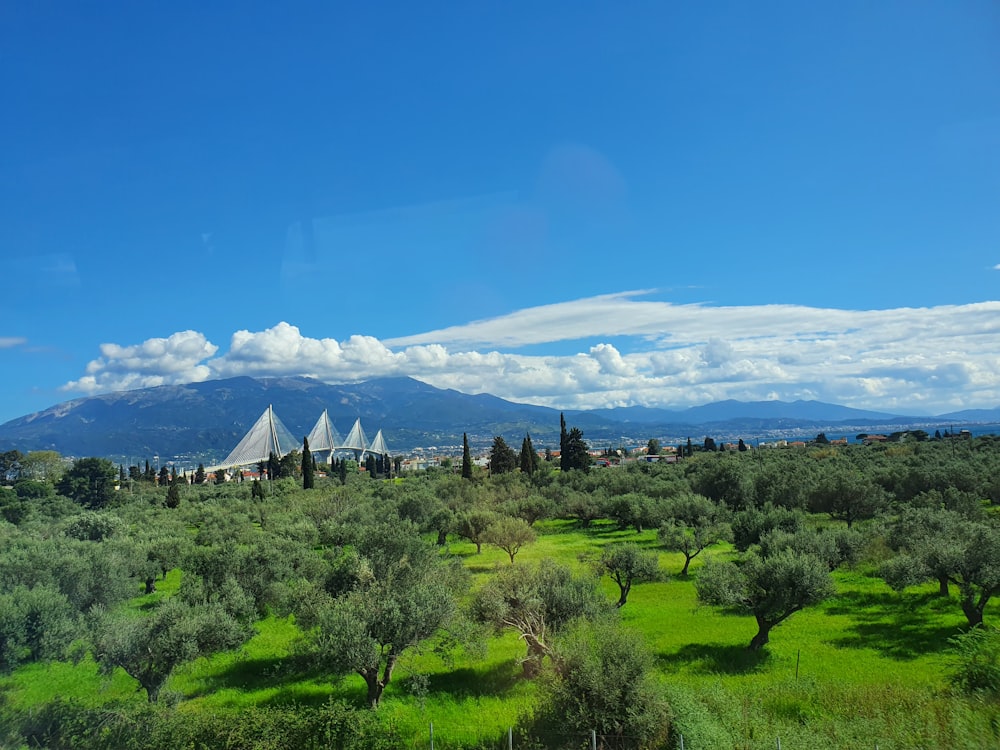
<point>378,445</point>
<point>324,437</point>
<point>355,439</point>
<point>268,435</point>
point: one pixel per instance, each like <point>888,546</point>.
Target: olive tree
<point>510,535</point>
<point>603,683</point>
<point>535,601</point>
<point>627,564</point>
<point>954,550</point>
<point>472,525</point>
<point>846,495</point>
<point>402,593</point>
<point>771,589</point>
<point>693,523</point>
<point>149,648</point>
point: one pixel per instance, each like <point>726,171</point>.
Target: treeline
<point>364,567</point>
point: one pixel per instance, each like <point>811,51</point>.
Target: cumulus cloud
<point>921,360</point>
<point>157,361</point>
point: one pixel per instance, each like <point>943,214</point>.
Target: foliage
<point>35,623</point>
<point>510,535</point>
<point>535,601</point>
<point>751,524</point>
<point>150,648</point>
<point>11,465</point>
<point>404,595</point>
<point>834,547</point>
<point>603,683</point>
<point>503,459</point>
<point>466,458</point>
<point>308,471</point>
<point>846,495</point>
<point>173,499</point>
<point>770,588</point>
<point>472,525</point>
<point>91,482</point>
<point>627,564</point>
<point>93,526</point>
<point>575,455</point>
<point>528,458</point>
<point>693,523</point>
<point>723,478</point>
<point>45,466</point>
<point>977,661</point>
<point>949,548</point>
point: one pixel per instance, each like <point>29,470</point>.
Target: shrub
<point>977,661</point>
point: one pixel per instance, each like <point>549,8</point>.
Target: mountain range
<point>206,420</point>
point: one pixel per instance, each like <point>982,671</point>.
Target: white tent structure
<point>324,437</point>
<point>268,435</point>
<point>378,445</point>
<point>356,440</point>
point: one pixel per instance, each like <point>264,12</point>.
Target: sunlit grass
<point>869,665</point>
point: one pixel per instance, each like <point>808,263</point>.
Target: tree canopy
<point>771,589</point>
<point>90,482</point>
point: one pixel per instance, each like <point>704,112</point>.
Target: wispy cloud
<point>905,359</point>
<point>7,342</point>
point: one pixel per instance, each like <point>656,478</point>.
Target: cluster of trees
<point>365,569</point>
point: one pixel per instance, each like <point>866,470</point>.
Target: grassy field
<point>867,668</point>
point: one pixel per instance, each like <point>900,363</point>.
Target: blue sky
<point>577,205</point>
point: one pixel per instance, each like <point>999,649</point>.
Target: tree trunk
<point>442,537</point>
<point>375,686</point>
<point>943,586</point>
<point>390,663</point>
<point>152,687</point>
<point>624,595</point>
<point>479,548</point>
<point>972,613</point>
<point>687,562</point>
<point>150,585</point>
<point>761,639</point>
<point>536,652</point>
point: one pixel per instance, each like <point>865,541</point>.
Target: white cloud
<point>7,342</point>
<point>918,359</point>
<point>996,267</point>
<point>158,361</point>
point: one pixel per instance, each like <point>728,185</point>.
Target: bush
<point>977,661</point>
<point>602,683</point>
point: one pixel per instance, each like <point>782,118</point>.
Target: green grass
<point>868,666</point>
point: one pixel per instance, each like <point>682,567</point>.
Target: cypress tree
<point>308,467</point>
<point>529,459</point>
<point>563,464</point>
<point>466,458</point>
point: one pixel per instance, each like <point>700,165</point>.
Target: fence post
<point>682,742</point>
<point>432,736</point>
<point>779,743</point>
<point>593,739</point>
<point>510,738</point>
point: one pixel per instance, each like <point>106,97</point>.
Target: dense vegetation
<point>832,596</point>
